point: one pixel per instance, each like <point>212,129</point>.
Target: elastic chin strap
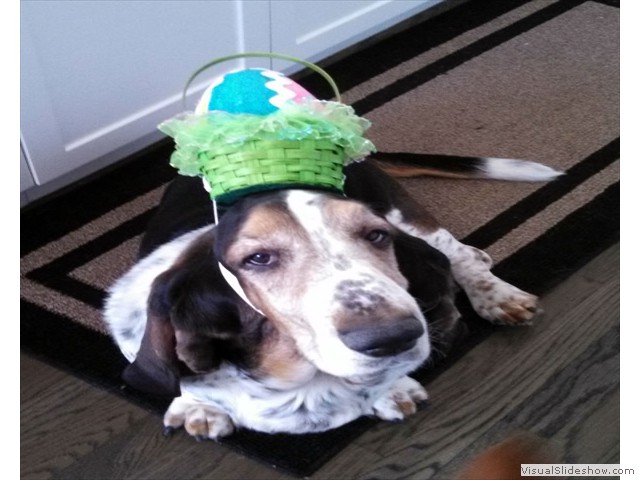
<point>235,284</point>
<point>230,277</point>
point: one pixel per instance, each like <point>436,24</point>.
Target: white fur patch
<point>518,170</point>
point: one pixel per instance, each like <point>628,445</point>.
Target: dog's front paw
<point>201,421</point>
<point>401,400</point>
<point>499,302</point>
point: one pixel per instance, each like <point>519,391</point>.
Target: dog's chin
<point>346,363</point>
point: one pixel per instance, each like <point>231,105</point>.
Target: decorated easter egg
<point>255,91</point>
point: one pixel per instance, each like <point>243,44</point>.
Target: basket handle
<point>280,56</point>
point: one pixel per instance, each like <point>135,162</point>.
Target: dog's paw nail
<point>200,438</point>
<point>168,431</point>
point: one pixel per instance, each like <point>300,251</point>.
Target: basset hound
<point>338,299</point>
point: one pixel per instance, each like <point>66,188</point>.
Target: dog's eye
<point>260,259</point>
<point>378,236</point>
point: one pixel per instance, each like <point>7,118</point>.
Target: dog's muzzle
<point>382,339</point>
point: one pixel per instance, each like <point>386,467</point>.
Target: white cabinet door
<point>316,29</point>
<point>99,75</point>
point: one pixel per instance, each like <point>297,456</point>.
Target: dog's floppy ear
<point>426,269</point>
<point>193,321</point>
<point>431,284</point>
<point>155,369</point>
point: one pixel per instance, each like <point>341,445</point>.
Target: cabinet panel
<point>316,29</point>
<point>96,76</point>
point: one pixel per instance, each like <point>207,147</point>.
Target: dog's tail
<point>451,166</point>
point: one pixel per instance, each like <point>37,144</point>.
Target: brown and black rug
<point>536,80</point>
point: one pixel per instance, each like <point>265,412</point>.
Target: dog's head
<point>321,269</point>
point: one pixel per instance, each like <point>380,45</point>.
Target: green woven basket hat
<point>255,130</point>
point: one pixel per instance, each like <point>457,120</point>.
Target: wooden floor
<point>558,379</point>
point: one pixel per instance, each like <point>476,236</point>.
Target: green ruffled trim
<point>197,134</point>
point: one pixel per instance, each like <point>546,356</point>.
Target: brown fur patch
<point>265,222</point>
<point>355,221</point>
<point>280,358</point>
<point>405,405</point>
<point>409,172</point>
<point>344,215</point>
<point>484,285</point>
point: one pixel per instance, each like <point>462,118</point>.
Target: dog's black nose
<point>381,339</point>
